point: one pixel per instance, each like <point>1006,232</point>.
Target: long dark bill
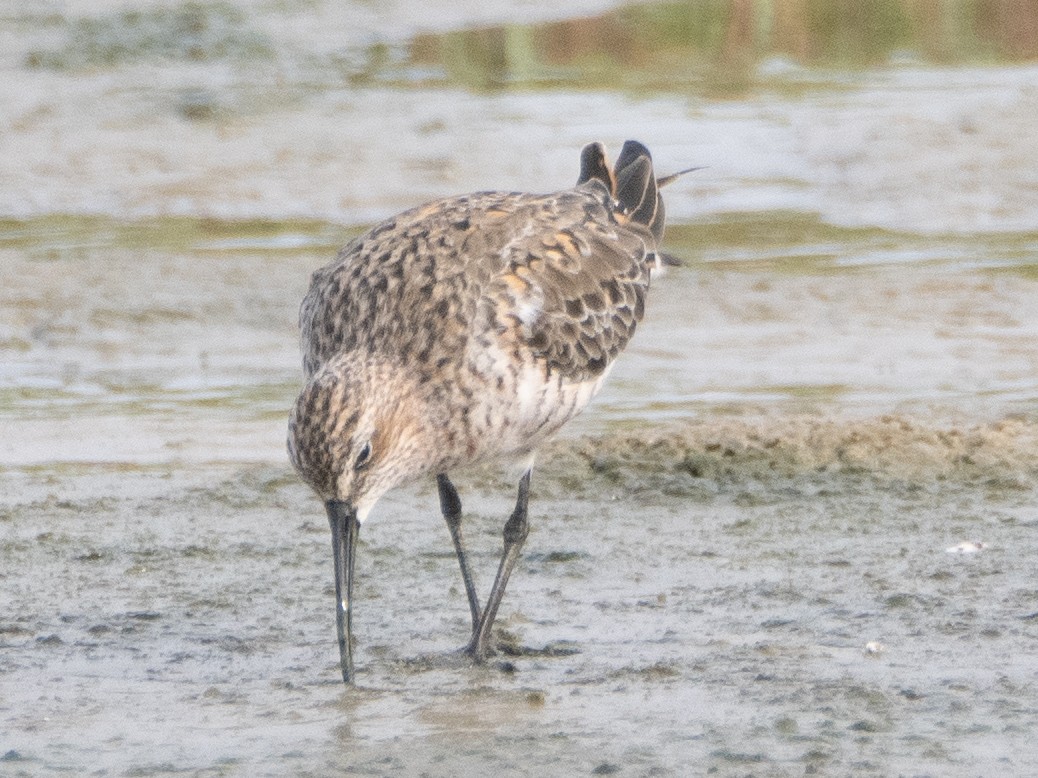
<point>342,517</point>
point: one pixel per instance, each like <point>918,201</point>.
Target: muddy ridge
<point>775,448</point>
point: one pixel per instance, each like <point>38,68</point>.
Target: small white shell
<point>966,547</point>
<point>874,648</point>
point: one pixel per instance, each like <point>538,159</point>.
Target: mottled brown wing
<point>566,273</point>
<point>380,293</point>
<point>575,282</point>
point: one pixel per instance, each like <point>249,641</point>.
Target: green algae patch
<point>191,32</point>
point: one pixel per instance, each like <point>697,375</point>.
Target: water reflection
<point>714,47</point>
<point>720,46</point>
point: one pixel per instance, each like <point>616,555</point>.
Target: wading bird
<point>466,329</point>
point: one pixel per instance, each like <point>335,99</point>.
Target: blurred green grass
<point>722,46</point>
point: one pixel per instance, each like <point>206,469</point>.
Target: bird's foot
<point>507,644</point>
<point>477,654</point>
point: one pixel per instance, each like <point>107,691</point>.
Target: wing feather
<point>586,276</point>
<point>558,278</point>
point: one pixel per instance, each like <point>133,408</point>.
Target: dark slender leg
<point>516,529</point>
<point>450,505</point>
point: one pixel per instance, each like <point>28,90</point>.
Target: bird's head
<point>356,431</point>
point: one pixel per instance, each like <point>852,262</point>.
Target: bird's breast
<point>511,403</point>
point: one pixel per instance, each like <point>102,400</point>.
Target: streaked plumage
<point>468,328</point>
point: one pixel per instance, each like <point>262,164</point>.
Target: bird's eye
<point>363,456</point>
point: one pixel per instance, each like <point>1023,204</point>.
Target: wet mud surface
<point>794,535</point>
<point>753,582</point>
<point>812,621</point>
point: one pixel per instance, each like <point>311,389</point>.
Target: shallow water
<point>838,386</point>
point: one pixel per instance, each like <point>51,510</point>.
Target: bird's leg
<point>450,505</point>
<point>516,529</point>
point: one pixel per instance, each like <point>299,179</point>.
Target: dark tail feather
<point>593,165</point>
<point>632,182</point>
<point>630,153</point>
<point>636,189</point>
<point>662,182</point>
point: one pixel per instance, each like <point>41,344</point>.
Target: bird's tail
<point>631,181</point>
